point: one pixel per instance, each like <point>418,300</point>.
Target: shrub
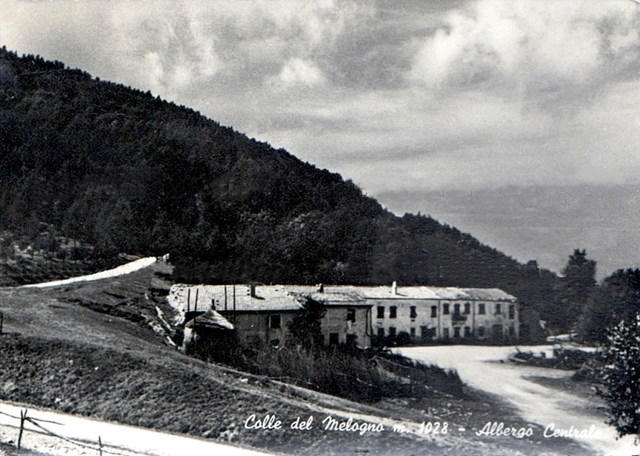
<point>621,376</point>
<point>404,338</point>
<point>570,358</point>
<point>344,371</point>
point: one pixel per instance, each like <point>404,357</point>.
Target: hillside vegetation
<point>123,171</point>
<point>41,255</point>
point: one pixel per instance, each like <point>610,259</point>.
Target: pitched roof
<point>350,296</point>
<point>489,294</point>
<point>210,319</point>
<point>270,298</point>
<point>267,299</point>
<point>387,292</point>
<point>424,292</point>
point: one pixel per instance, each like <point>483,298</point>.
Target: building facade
<point>361,315</point>
<point>432,314</point>
<point>262,314</point>
<point>346,319</point>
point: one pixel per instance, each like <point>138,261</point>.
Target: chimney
<point>394,288</point>
<point>252,290</point>
<point>320,288</point>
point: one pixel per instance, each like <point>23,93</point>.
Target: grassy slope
<point>60,354</point>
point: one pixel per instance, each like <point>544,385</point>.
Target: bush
<point>426,374</point>
<point>404,338</point>
<point>349,372</point>
<point>621,376</point>
<point>571,358</point>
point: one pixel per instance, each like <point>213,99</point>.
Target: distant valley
<point>550,223</point>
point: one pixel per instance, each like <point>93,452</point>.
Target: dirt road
<point>479,367</point>
<point>127,268</point>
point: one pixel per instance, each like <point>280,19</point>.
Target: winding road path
<point>123,269</point>
<point>479,367</point>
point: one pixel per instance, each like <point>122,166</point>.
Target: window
<point>393,312</point>
<point>434,311</point>
<point>512,331</point>
<point>274,321</point>
<point>467,331</point>
<point>445,309</point>
<point>334,339</point>
<point>445,333</point>
<point>481,309</point>
<point>412,312</point>
<point>413,332</point>
<point>456,309</point>
<point>467,308</point>
<point>380,332</point>
<point>352,339</point>
<point>380,312</point>
<point>456,331</point>
<point>480,331</point>
<point>351,315</point>
<point>512,311</point>
<point>427,333</point>
<point>498,309</point>
<point>392,332</point>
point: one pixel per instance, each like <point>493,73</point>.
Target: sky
<point>408,98</point>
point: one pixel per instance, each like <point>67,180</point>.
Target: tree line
<point>606,314</point>
<point>124,171</point>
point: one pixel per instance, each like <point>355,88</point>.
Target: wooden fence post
<point>100,445</point>
<point>1,321</point>
<point>23,417</point>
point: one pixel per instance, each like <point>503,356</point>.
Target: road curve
<point>478,368</point>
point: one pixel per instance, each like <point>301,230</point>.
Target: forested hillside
<point>124,171</point>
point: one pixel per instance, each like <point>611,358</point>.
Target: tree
<point>574,291</point>
<point>116,228</point>
<point>618,298</point>
<point>305,329</point>
<point>621,356</point>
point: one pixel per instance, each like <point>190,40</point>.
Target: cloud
<point>298,71</point>
<point>172,46</point>
<point>400,94</point>
<point>531,49</point>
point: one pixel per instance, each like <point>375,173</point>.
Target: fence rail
<point>24,418</point>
